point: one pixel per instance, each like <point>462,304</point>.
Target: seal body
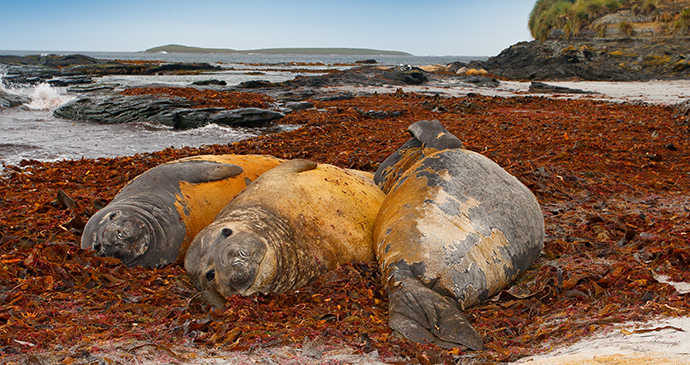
<point>290,225</point>
<point>152,220</point>
<point>454,229</point>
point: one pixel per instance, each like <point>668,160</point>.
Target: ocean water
<point>32,132</point>
<point>263,59</point>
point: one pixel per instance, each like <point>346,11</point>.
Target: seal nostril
<point>211,275</point>
<point>97,247</point>
<point>226,232</point>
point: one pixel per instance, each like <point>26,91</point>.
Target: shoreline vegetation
<point>567,19</point>
<point>611,179</point>
<point>176,48</point>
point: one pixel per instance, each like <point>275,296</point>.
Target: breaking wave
<point>42,96</point>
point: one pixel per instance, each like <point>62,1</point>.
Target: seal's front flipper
<point>423,315</point>
<point>191,171</point>
<point>205,171</point>
<point>214,298</point>
<point>297,165</point>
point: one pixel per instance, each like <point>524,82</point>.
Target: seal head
<point>123,234</point>
<point>236,263</point>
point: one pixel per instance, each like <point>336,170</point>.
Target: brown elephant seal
<point>454,229</point>
<point>290,225</point>
<point>152,220</point>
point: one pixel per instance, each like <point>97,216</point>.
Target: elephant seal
<point>290,225</point>
<point>454,229</point>
<point>152,220</point>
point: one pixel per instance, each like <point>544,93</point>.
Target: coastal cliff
<point>601,40</point>
<point>630,59</point>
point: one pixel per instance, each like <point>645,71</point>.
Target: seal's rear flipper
<point>388,171</point>
<point>423,315</point>
<point>434,135</point>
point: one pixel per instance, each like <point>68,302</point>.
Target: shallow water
<point>28,134</point>
<point>231,78</point>
<point>32,132</point>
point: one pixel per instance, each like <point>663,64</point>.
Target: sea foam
<point>43,96</point>
<point>46,97</point>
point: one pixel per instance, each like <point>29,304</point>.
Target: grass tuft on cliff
<point>568,15</point>
<point>567,18</point>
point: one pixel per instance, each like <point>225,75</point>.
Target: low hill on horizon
<point>176,48</point>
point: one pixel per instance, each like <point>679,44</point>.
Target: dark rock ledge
<point>8,100</point>
<point>175,112</point>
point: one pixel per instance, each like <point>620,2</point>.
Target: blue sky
<point>421,27</point>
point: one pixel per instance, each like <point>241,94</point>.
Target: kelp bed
<point>612,180</point>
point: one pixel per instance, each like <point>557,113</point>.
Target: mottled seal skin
<point>454,229</point>
<point>152,220</point>
<point>290,225</point>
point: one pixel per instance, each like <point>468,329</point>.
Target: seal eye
<point>226,232</point>
<point>211,275</point>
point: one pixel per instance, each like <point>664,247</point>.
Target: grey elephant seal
<point>293,223</point>
<point>454,229</point>
<point>152,220</point>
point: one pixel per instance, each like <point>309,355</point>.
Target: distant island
<point>176,48</point>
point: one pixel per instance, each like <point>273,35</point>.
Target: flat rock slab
<point>540,87</point>
<point>8,100</point>
<point>175,112</point>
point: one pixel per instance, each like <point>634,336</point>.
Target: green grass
<point>569,15</point>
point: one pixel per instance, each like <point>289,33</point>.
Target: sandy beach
<point>655,92</point>
<point>553,161</point>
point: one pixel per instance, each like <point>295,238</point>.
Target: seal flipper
<point>434,135</point>
<point>204,171</point>
<point>297,165</point>
<point>390,170</point>
<point>423,315</point>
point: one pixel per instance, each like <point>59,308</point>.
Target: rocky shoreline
<point>106,103</point>
<point>78,69</point>
<point>619,59</point>
<point>639,59</point>
<point>612,180</point>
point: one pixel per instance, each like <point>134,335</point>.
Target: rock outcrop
<point>634,59</point>
<point>542,88</point>
<point>175,112</point>
<point>37,69</point>
<point>8,100</point>
<point>605,41</point>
